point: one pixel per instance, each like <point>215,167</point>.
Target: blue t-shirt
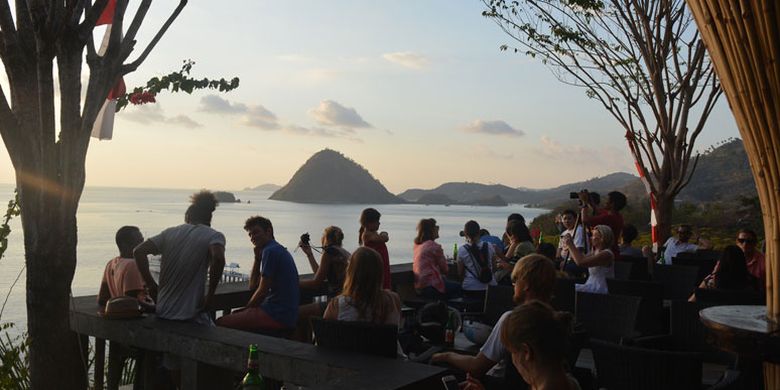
<point>282,300</point>
<point>495,241</point>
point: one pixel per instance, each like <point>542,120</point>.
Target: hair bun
<point>204,200</point>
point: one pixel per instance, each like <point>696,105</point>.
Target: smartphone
<point>450,382</point>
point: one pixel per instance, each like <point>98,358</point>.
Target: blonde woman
<point>599,262</point>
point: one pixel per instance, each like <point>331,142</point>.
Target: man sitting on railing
<point>121,276</point>
<point>274,280</point>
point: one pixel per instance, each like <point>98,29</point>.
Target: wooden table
<point>746,331</point>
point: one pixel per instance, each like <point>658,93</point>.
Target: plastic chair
<point>607,316</point>
<point>623,367</point>
<point>679,281</point>
<point>356,336</point>
<point>650,318</point>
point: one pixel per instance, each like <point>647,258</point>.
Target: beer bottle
<point>252,379</point>
<point>449,330</point>
<point>455,252</point>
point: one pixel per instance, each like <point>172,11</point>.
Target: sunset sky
<point>415,91</point>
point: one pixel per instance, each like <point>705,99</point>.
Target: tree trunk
<point>664,209</point>
<point>58,357</point>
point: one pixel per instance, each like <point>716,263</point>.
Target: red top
<point>757,267</point>
<point>615,222</point>
<point>381,247</point>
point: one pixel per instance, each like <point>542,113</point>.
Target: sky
<point>417,92</point>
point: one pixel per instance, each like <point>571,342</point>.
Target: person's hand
<point>471,383</point>
<point>584,197</point>
<point>567,240</point>
<point>384,236</point>
<point>306,249</point>
<point>505,265</point>
<point>441,357</point>
<point>646,251</point>
<point>152,289</point>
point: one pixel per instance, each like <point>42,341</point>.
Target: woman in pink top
<point>430,265</point>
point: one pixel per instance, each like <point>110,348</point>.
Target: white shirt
<point>471,268</point>
<point>493,348</point>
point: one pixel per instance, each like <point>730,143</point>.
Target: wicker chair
<point>716,296</point>
<point>679,281</point>
<point>704,260</point>
<point>621,367</point>
<point>638,267</point>
<point>651,316</point>
<point>606,316</point>
<point>564,295</point>
<point>623,270</point>
<point>499,300</point>
<point>356,336</point>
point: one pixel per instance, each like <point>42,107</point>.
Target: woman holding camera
<point>333,262</point>
<point>430,265</point>
<point>600,261</point>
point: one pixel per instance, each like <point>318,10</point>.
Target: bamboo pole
<point>743,40</point>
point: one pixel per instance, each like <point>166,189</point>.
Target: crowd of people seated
<point>357,285</point>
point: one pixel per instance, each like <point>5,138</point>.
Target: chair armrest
<point>662,342</point>
<point>728,381</point>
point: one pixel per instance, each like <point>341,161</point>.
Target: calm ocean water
<point>103,210</point>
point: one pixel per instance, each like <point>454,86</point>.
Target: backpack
<point>481,261</point>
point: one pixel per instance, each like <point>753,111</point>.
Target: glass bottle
<point>252,379</point>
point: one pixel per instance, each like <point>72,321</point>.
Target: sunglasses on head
<point>746,240</point>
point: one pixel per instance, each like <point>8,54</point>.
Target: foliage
<point>13,210</point>
<point>14,372</point>
<point>643,61</point>
<point>174,82</point>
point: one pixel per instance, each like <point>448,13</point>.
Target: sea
<point>103,210</point>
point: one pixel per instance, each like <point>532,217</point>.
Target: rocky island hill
<point>330,177</point>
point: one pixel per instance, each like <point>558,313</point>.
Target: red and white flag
<point>643,177</point>
<point>103,128</point>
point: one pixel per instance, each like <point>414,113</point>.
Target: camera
<point>305,238</point>
<point>574,195</point>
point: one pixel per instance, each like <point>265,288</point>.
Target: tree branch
<point>135,64</point>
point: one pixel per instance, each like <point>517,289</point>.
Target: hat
<point>122,307</point>
<point>471,229</point>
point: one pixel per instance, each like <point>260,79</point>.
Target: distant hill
<point>226,197</point>
<point>330,177</point>
<point>264,187</point>
<point>476,193</point>
<point>722,174</point>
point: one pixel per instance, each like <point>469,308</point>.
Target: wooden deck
<point>208,352</point>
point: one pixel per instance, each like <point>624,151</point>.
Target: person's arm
<point>104,295</point>
<point>602,258</point>
<point>332,310</point>
<point>375,237</point>
<point>310,256</point>
<point>320,274</point>
<point>441,261</point>
<point>140,254</point>
<point>260,293</point>
<point>461,269</point>
<point>216,266</point>
<point>475,365</point>
<point>254,276</point>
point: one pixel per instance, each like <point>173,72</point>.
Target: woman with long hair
<point>599,262</point>
<point>363,298</point>
<point>369,236</point>
<point>333,263</point>
<point>429,264</point>
<point>730,273</point>
<point>537,339</point>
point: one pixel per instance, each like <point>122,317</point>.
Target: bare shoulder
<point>393,297</point>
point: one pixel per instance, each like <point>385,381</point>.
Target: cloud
<point>150,114</point>
<point>606,156</point>
<point>407,59</point>
<point>488,152</point>
<point>260,117</point>
<point>493,128</point>
<point>330,113</point>
<point>217,105</point>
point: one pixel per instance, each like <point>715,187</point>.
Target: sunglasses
<point>746,241</point>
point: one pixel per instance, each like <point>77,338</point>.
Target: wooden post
<point>100,362</point>
<point>743,40</point>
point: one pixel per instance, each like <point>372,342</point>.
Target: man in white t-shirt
<point>533,278</point>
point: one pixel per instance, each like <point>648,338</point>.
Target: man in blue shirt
<point>274,280</point>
